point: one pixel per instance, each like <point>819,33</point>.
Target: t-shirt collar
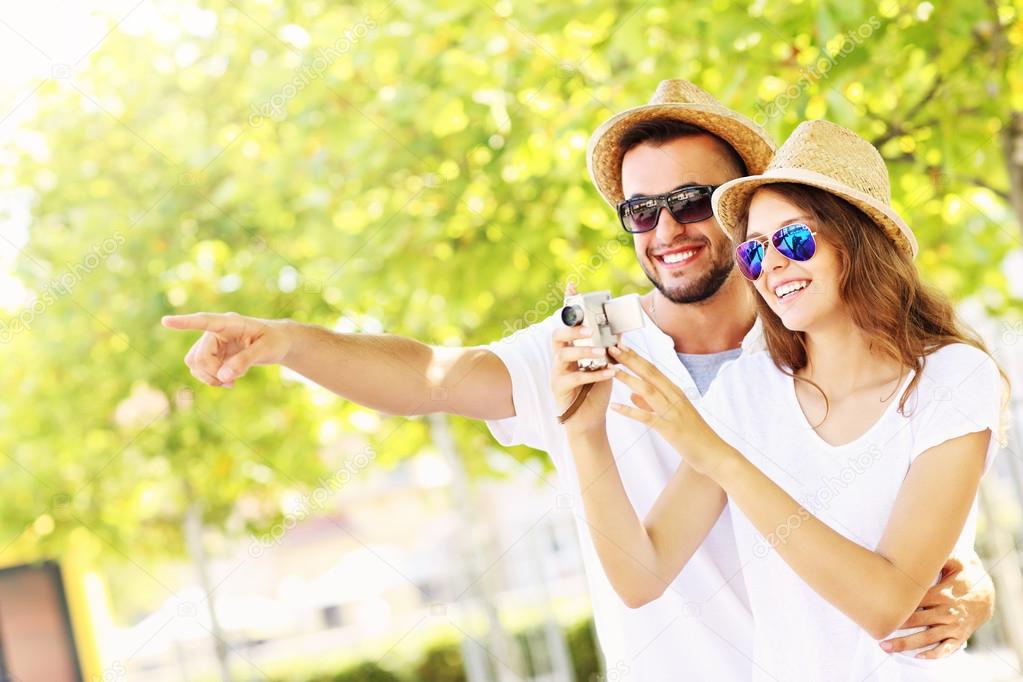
<point>751,343</point>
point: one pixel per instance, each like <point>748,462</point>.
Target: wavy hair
<point>879,284</point>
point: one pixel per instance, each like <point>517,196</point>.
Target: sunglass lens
<point>691,209</point>
<point>795,242</point>
<point>749,256</point>
<point>641,219</point>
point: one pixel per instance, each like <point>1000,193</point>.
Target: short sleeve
<point>527,355</point>
<point>960,391</point>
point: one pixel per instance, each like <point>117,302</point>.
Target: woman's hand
<point>567,379</point>
<point>663,406</point>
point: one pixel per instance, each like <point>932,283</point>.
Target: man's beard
<point>695,291</point>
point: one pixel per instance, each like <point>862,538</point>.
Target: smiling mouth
<point>677,258</point>
<point>790,289</point>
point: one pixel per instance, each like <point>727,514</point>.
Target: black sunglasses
<point>689,204</point>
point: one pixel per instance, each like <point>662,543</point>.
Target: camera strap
<point>578,401</point>
<point>574,407</point>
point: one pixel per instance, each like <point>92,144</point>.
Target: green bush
<point>364,672</point>
<point>441,664</point>
<point>582,646</point>
<point>522,638</point>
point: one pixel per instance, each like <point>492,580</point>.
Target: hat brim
<point>604,153</point>
<point>733,197</point>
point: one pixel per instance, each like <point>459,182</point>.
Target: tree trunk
<point>554,636</point>
<point>1005,574</point>
<point>501,661</point>
<point>193,538</point>
<point>1012,145</point>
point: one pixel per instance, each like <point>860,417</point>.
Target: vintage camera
<point>607,318</point>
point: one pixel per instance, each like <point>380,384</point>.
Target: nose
<point>667,227</point>
<point>772,259</point>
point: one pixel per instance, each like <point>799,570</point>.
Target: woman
<point>849,453</point>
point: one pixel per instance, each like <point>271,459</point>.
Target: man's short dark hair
<point>660,131</point>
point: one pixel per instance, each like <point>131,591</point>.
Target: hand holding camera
<point>581,374</point>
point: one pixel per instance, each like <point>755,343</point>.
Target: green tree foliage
<point>417,168</point>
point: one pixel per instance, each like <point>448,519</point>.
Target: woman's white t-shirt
<point>852,488</point>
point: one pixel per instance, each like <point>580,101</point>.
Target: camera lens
<point>572,315</point>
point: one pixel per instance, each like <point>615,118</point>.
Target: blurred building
<point>390,559</point>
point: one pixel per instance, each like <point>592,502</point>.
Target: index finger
<point>211,322</point>
<point>564,336</point>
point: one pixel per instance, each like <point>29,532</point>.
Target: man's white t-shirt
<point>852,488</point>
<point>701,629</point>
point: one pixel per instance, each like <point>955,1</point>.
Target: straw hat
<point>677,100</point>
<point>827,156</point>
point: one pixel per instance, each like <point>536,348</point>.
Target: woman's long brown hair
<point>904,318</point>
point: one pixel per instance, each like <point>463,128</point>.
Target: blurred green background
<point>417,168</point>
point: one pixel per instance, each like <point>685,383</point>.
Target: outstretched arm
<point>392,374</point>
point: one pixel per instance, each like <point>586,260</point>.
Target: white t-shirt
<point>852,488</point>
<point>701,628</point>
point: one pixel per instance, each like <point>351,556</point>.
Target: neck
<point>841,359</point>
<point>712,326</point>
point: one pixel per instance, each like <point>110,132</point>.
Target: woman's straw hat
<point>677,100</point>
<point>827,156</point>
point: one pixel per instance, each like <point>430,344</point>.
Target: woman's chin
<point>793,321</point>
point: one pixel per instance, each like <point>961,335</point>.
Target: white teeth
<point>677,257</point>
<point>786,289</point>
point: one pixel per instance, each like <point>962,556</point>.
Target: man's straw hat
<point>827,156</point>
<point>677,100</point>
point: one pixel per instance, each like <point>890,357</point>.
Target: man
<point>666,156</point>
